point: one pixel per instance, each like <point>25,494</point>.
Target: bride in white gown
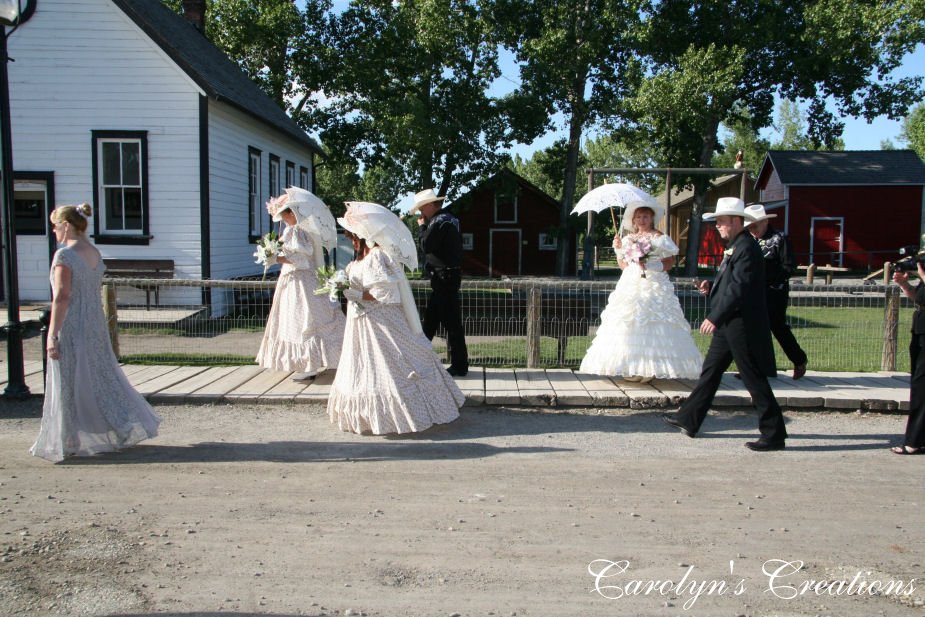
<point>643,333</point>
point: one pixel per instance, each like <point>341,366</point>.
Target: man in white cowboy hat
<point>441,243</point>
<point>738,321</point>
<point>779,266</point>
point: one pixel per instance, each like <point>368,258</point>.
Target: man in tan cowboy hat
<point>779,266</point>
<point>738,321</point>
<point>441,243</point>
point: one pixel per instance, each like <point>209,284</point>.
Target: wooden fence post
<point>890,329</point>
<point>887,273</point>
<point>810,273</point>
<point>534,328</point>
<point>108,292</point>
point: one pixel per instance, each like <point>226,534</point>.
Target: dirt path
<point>270,510</point>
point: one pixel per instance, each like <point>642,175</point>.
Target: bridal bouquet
<point>333,283</point>
<point>636,250</point>
<point>269,247</point>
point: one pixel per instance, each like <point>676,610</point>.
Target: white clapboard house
<point>126,105</point>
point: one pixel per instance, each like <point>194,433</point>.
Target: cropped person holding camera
<point>914,442</point>
<point>442,246</point>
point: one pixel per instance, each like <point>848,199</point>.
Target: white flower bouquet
<point>333,283</point>
<point>269,248</point>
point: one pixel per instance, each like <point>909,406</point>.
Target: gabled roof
<point>687,193</point>
<point>209,67</point>
<point>500,179</point>
<point>844,168</point>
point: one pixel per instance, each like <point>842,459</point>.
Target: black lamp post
<point>12,14</point>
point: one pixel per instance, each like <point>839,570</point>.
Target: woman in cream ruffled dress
<point>643,333</point>
<point>304,331</point>
<point>389,380</point>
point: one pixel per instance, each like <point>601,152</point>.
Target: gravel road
<point>247,510</point>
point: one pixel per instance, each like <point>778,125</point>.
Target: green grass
<point>835,339</point>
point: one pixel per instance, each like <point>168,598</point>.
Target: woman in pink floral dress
<point>389,380</point>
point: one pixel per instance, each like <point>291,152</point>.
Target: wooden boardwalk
<point>560,388</point>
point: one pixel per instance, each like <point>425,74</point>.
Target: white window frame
<point>255,207</point>
<point>516,212</point>
<point>290,174</point>
<point>547,242</point>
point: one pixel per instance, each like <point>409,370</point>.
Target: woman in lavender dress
<point>90,407</point>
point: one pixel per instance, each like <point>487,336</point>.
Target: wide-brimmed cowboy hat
<point>658,211</point>
<point>729,206</point>
<point>757,213</point>
<point>423,198</point>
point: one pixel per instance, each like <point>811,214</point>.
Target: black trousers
<point>443,308</point>
<point>729,344</point>
<point>915,426</point>
<point>778,299</point>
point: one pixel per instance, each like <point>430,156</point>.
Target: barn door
<point>827,240</point>
<point>504,257</point>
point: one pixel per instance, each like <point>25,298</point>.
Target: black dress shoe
<point>799,370</point>
<point>670,420</point>
<point>456,372</point>
<point>765,446</point>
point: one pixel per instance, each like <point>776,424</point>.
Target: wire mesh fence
<point>521,322</point>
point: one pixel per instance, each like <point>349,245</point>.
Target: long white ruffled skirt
<point>643,332</point>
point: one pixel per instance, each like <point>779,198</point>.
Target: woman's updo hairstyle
<point>77,216</point>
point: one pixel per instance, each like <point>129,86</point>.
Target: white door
<point>34,241</point>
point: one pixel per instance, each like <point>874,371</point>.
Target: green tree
<point>710,58</point>
<point>740,136</point>
<point>265,38</point>
<point>913,130</point>
<point>409,86</point>
<point>577,58</point>
<point>792,128</point>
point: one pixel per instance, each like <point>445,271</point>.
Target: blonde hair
<point>77,216</point>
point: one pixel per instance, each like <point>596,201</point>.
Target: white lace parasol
<point>313,215</point>
<point>380,226</point>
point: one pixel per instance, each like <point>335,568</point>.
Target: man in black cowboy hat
<point>442,246</point>
<point>738,321</point>
<point>778,268</point>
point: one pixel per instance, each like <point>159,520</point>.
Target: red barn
<point>510,228</point>
<point>852,208</point>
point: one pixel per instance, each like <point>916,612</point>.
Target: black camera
<point>911,257</point>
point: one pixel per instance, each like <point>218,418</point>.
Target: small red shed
<point>852,209</point>
<point>509,228</point>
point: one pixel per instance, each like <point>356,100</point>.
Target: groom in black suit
<point>738,321</point>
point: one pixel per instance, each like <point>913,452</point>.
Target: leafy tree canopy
<point>913,130</point>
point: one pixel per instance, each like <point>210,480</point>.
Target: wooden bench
<point>812,269</point>
<point>141,269</point>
